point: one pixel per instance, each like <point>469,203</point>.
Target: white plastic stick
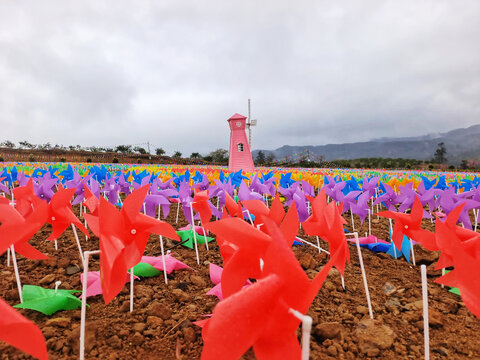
<point>413,252</point>
<point>443,273</point>
<point>194,234</point>
<point>476,218</point>
<point>85,221</point>
<point>309,243</point>
<point>306,329</point>
<point>353,224</point>
<point>343,281</point>
<point>78,243</point>
<point>86,255</point>
<point>56,244</point>
<point>391,240</point>
<point>365,284</point>
<point>132,278</point>
<point>369,223</point>
<point>426,334</point>
<point>318,244</point>
<point>205,236</point>
<point>178,209</point>
<point>17,275</point>
<point>57,284</point>
<point>8,257</point>
<point>163,260</point>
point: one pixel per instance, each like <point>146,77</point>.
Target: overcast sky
<point>172,72</point>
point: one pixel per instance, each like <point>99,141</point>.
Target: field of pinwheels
<point>170,262</point>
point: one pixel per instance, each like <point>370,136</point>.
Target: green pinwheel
<point>48,301</point>
<point>145,270</point>
<point>186,238</point>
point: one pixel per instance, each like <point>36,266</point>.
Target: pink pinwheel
<point>171,263</point>
<point>389,198</point>
<point>94,284</point>
<point>216,277</point>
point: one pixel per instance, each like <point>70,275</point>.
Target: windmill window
<point>240,147</point>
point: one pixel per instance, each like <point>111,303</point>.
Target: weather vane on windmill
<point>249,124</point>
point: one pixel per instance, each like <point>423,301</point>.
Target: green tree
<point>260,158</point>
<point>8,144</point>
<point>440,154</point>
<point>140,150</point>
<point>219,156</point>
<point>159,151</point>
<point>177,154</point>
<point>195,155</point>
<point>124,149</point>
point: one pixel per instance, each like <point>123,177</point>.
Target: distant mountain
<point>463,143</point>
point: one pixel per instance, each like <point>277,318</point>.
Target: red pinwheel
<point>21,333</point>
<point>244,263</point>
<point>17,230</point>
<point>25,198</point>
<point>60,213</point>
<point>123,237</point>
<point>202,205</point>
<point>91,201</point>
<point>259,315</point>
<point>247,312</point>
<point>464,276</point>
<point>409,225</point>
<point>327,223</point>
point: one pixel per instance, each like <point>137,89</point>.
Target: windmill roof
<point>237,117</point>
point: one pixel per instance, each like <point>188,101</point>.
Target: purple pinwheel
<point>4,188</point>
<point>370,185</point>
<point>124,185</point>
<point>258,187</point>
<point>335,191</point>
<point>94,188</point>
<point>22,179</point>
<point>77,182</point>
<point>289,192</point>
<point>361,208</point>
<point>220,189</point>
<point>204,184</point>
<point>449,201</point>
<point>144,182</point>
<point>185,198</point>
<point>308,189</point>
<point>153,201</point>
<point>406,197</point>
<point>244,193</point>
<point>389,198</point>
<point>44,189</point>
<point>348,200</point>
<point>301,205</point>
<point>426,196</point>
<point>111,189</point>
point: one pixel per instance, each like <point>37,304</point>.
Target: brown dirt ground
<point>160,326</point>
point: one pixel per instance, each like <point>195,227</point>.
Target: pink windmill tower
<point>240,156</point>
